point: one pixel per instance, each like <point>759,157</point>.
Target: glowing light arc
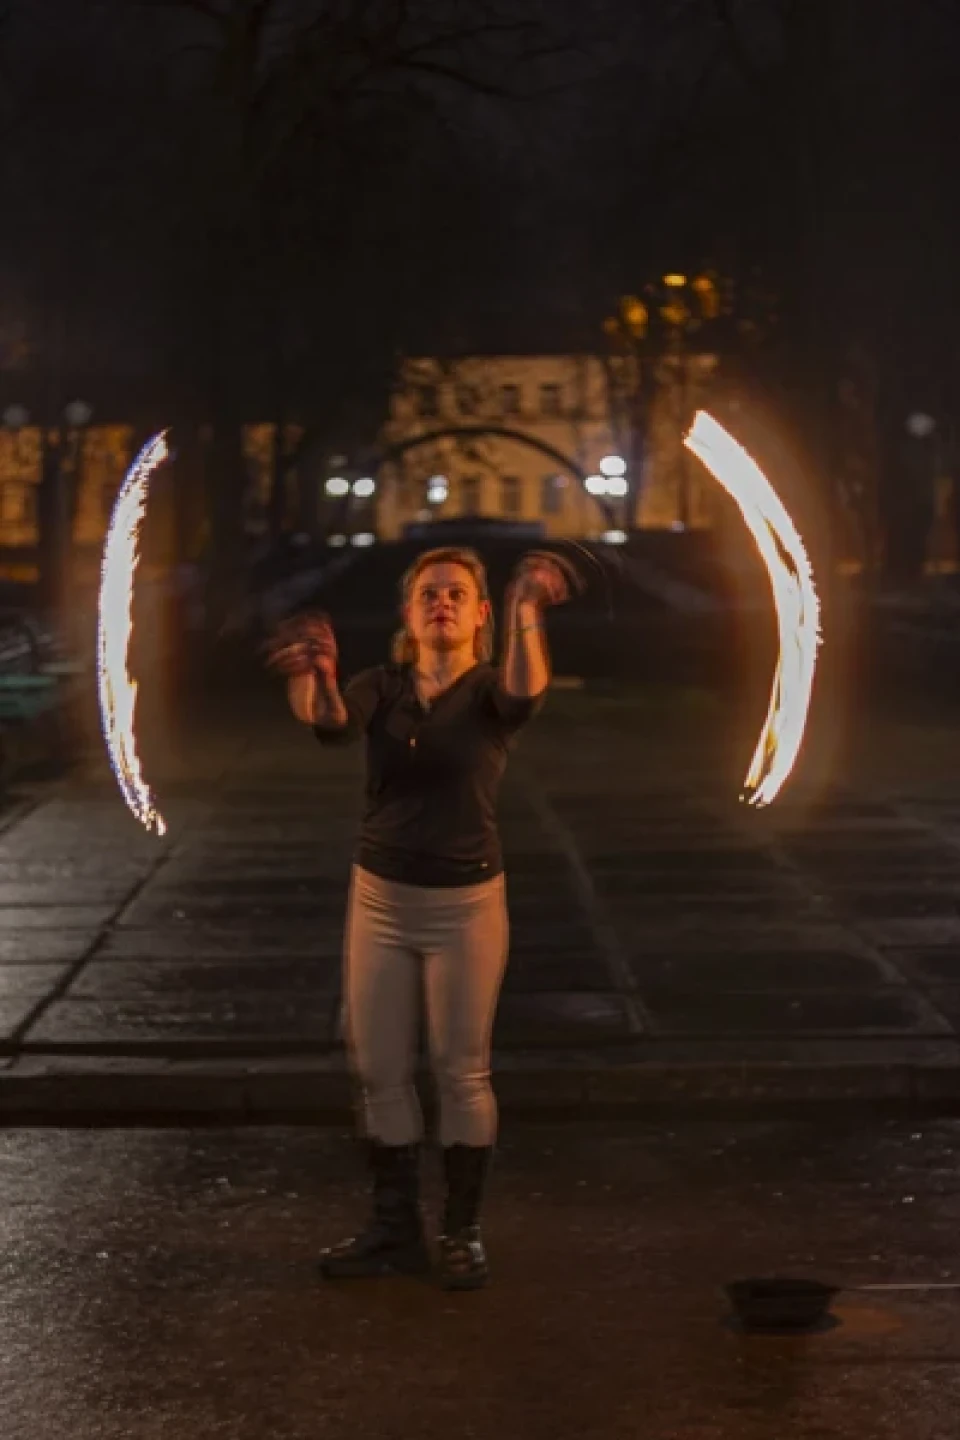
<point>117,690</point>
<point>794,595</point>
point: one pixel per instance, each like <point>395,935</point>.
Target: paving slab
<point>152,911</point>
<point>14,919</point>
<point>44,947</point>
<point>226,977</point>
<point>258,1019</point>
<point>677,1011</point>
<point>40,891</point>
<point>322,939</point>
<point>935,965</point>
<point>31,980</point>
<point>560,1018</point>
<point>14,1010</point>
<point>758,970</point>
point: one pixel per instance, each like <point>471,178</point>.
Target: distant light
<point>614,537</point>
<point>78,413</point>
<point>675,282</point>
<point>336,485</point>
<point>437,489</point>
<point>677,526</point>
<point>16,416</point>
<point>617,486</point>
<point>921,425</point>
<point>336,540</point>
<point>337,462</point>
<point>613,465</point>
<point>362,539</point>
<point>596,484</point>
<point>364,488</point>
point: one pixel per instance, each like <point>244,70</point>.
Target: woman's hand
<point>540,581</point>
<point>303,645</point>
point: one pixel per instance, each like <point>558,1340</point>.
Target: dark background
<point>225,210</point>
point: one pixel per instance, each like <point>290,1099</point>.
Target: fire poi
<point>781,549</point>
<point>117,688</point>
<point>794,597</point>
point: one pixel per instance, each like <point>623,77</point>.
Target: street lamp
<point>77,414</point>
<point>437,489</point>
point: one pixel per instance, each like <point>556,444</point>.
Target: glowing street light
<point>77,414</point>
<point>437,489</point>
<point>336,485</point>
<point>613,465</point>
<point>364,488</point>
<point>596,484</point>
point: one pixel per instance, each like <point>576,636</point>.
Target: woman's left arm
<point>525,672</point>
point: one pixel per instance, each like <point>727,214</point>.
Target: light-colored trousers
<point>409,944</point>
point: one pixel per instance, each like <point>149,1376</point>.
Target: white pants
<point>447,946</point>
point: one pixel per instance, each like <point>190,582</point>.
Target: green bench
<point>23,697</point>
<point>33,723</point>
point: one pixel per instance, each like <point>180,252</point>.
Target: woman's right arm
<point>305,651</point>
<point>315,699</point>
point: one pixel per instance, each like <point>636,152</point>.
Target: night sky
<point>425,210</point>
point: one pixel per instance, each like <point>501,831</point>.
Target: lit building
<point>559,408</point>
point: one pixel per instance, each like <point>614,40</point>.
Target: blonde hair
<point>403,647</point>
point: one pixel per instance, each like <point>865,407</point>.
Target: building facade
<point>555,408</point>
<point>558,407</point>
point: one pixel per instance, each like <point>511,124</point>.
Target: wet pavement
<point>162,1284</point>
<point>668,944</point>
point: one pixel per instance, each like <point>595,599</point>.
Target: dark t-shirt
<point>432,775</point>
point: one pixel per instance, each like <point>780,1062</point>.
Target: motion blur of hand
<point>303,644</point>
<point>538,580</point>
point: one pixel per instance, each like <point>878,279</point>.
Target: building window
<point>551,400</point>
<point>470,495</point>
<point>510,399</point>
<point>466,400</point>
<point>510,494</point>
<point>551,496</point>
<point>427,402</point>
<point>15,504</point>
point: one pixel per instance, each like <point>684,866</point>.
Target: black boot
<point>463,1260</point>
<point>393,1243</point>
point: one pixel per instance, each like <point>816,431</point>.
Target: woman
<point>427,899</point>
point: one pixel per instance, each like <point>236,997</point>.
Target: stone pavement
<point>669,946</point>
<point>162,1285</point>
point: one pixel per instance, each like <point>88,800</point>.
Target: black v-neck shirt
<point>433,774</point>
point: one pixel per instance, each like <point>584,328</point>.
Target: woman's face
<point>445,611</point>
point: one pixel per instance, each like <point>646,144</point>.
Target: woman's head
<point>445,606</point>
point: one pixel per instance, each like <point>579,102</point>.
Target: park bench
<point>38,691</point>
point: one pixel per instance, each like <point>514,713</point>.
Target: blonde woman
<point>427,906</point>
